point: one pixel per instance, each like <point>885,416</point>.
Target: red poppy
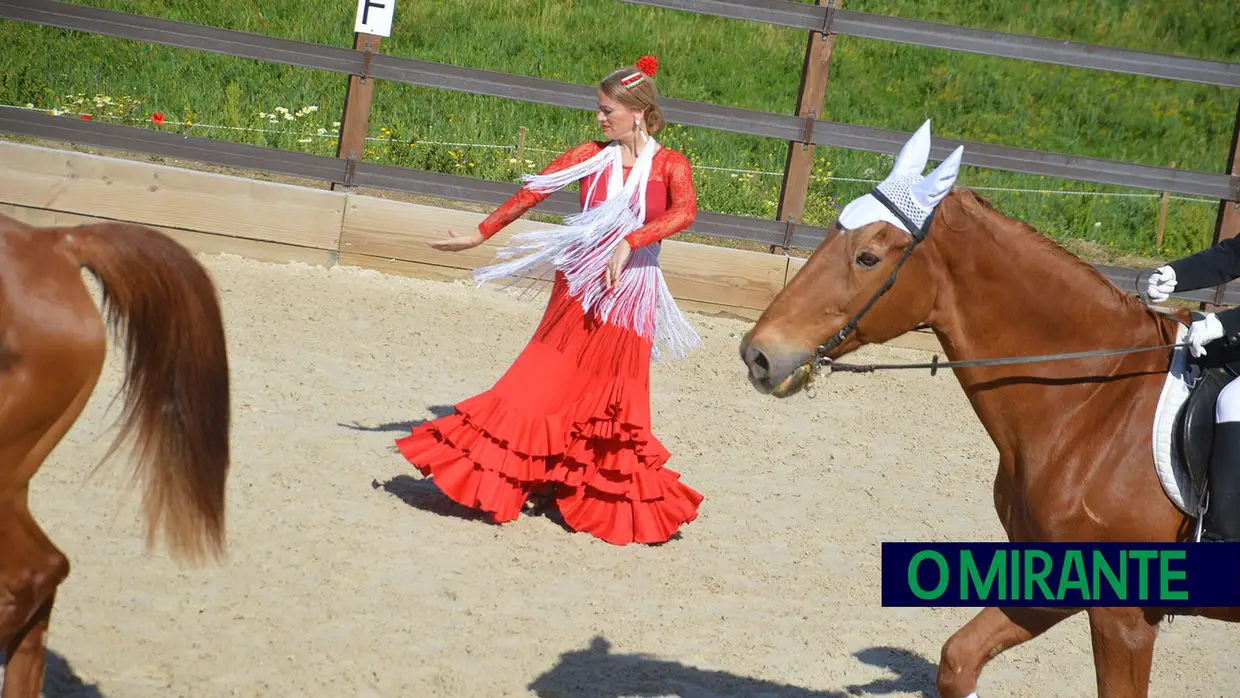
<point>158,118</point>
<point>87,117</point>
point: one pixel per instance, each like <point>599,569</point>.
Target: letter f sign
<point>375,17</point>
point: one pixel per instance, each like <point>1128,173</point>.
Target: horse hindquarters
<point>54,350</point>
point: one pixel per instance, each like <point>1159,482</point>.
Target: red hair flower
<point>648,65</point>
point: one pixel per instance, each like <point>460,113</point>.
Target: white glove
<point>1161,284</point>
<point>1202,332</point>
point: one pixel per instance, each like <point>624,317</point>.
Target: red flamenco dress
<point>571,415</point>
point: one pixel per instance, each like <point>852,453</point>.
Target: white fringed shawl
<point>583,246</point>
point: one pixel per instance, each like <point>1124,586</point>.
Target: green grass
<point>707,59</point>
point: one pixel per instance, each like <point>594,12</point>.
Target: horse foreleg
<point>983,638</point>
<point>1123,640</point>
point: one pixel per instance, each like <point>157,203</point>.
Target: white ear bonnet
<point>905,199</point>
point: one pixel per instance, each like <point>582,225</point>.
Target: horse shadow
<point>597,673</point>
<point>59,679</point>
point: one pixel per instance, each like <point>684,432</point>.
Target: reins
<point>934,365</point>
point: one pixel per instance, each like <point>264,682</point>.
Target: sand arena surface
<point>349,576</point>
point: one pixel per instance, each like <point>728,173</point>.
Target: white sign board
<point>375,17</point>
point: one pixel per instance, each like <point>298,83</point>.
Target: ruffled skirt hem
<point>606,469</point>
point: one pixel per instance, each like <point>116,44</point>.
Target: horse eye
<point>867,259</point>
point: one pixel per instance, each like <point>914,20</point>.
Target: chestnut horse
<point>1073,437</point>
<point>176,412</point>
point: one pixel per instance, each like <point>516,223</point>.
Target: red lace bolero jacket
<point>671,200</point>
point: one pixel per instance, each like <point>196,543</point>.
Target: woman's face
<point>614,118</point>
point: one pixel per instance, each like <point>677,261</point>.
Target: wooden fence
<point>269,221</point>
<point>802,131</point>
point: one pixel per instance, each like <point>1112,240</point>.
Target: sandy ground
<point>349,576</point>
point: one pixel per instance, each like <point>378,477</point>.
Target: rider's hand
<point>1161,284</point>
<point>456,243</point>
<point>1202,332</point>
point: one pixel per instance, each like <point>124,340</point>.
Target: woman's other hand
<point>456,243</point>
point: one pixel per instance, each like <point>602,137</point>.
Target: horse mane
<point>1032,237</point>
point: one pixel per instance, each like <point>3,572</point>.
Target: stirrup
<point>1201,516</point>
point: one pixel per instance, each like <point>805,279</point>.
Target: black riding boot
<point>1222,519</point>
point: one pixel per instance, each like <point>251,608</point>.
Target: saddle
<point>1194,425</point>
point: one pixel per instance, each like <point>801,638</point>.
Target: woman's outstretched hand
<point>616,265</point>
<point>456,243</point>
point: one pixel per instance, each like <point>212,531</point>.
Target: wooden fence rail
<point>386,177</point>
<point>952,38</point>
<point>806,129</point>
<point>561,94</point>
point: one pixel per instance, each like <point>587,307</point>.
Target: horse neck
<point>1008,291</point>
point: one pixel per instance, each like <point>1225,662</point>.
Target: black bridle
<point>919,233</point>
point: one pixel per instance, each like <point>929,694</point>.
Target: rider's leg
<point>1222,519</point>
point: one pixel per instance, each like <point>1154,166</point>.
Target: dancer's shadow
<point>60,680</point>
<point>423,495</point>
<point>438,411</point>
<point>399,427</point>
<point>597,673</point>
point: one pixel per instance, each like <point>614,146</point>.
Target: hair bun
<point>648,65</point>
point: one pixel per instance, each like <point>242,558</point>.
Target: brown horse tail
<point>176,384</point>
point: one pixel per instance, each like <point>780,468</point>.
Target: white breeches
<point>1227,409</point>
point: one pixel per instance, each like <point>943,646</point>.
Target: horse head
<point>863,284</point>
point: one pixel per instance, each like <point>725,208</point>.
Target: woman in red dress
<point>570,419</point>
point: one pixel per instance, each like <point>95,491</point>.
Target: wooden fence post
<point>1227,224</point>
<point>1162,218</point>
<point>810,100</point>
<point>356,117</point>
<point>374,20</point>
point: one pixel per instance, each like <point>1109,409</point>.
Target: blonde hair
<point>644,95</point>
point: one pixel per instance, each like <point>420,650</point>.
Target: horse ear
<point>914,155</point>
<point>936,185</point>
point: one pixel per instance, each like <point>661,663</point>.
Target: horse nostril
<point>759,366</point>
<point>760,359</point>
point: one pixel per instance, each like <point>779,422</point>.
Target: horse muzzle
<point>777,373</point>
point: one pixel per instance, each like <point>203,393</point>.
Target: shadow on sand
<point>60,680</point>
<point>438,411</point>
<point>597,673</point>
